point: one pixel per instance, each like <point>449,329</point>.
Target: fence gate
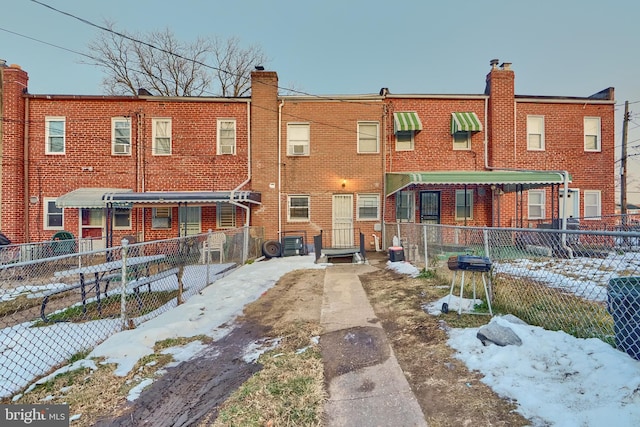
<point>342,220</point>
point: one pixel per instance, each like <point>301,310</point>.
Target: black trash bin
<point>623,299</point>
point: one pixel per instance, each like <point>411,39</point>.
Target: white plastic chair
<point>214,243</point>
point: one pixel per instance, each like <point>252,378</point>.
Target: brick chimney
<point>501,115</point>
<point>13,86</point>
<point>264,148</point>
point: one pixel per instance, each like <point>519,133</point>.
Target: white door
<point>342,235</point>
<point>573,203</point>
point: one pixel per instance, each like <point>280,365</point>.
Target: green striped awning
<point>508,180</point>
<point>406,121</point>
<point>465,122</point>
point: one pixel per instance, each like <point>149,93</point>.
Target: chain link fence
<point>56,307</point>
<point>586,283</point>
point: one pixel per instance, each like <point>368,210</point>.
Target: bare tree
<point>161,64</point>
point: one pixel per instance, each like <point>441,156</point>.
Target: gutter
<point>563,174</point>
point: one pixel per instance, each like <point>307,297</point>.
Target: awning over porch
<point>87,197</point>
<point>508,180</point>
<point>101,197</point>
<point>406,121</point>
<point>465,122</point>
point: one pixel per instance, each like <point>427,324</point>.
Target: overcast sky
<point>565,48</point>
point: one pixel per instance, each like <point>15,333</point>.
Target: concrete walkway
<point>365,382</point>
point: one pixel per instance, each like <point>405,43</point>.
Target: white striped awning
<point>406,121</point>
<point>465,122</point>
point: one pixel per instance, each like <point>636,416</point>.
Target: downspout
<point>385,111</point>
<point>25,179</point>
<point>280,167</point>
<point>563,174</point>
<point>247,209</point>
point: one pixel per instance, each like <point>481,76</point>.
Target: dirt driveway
<point>448,393</point>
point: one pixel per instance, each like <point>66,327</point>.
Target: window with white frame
<point>592,134</point>
<point>535,133</point>
<point>405,206</point>
<point>368,141</point>
<point>592,204</point>
<point>368,207</point>
<point>404,140</point>
<point>53,215</point>
<point>462,140</point>
<point>225,215</point>
<point>226,136</point>
<point>161,134</point>
<point>298,139</point>
<point>536,204</point>
<point>121,218</point>
<point>161,217</point>
<point>55,130</point>
<point>121,136</point>
<point>298,208</point>
<point>464,204</point>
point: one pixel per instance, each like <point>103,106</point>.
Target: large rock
<point>498,335</point>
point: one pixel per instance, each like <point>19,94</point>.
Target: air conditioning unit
<point>298,150</point>
<point>226,149</point>
<point>121,148</point>
<point>163,213</point>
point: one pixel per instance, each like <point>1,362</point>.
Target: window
<point>53,215</point>
<point>54,135</point>
<point>121,136</point>
<point>91,217</point>
<point>189,218</point>
<point>368,206</point>
<point>121,218</point>
<point>368,137</point>
<point>161,218</point>
<point>225,215</point>
<point>464,205</point>
<point>462,140</point>
<point>536,204</point>
<point>404,140</point>
<point>535,133</point>
<point>592,134</point>
<point>161,145</point>
<point>298,208</point>
<point>405,206</point>
<point>298,136</point>
<point>226,137</point>
<point>592,205</point>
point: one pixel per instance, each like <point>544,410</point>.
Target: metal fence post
<point>426,255</point>
<point>123,281</point>
<point>485,235</point>
<point>207,255</point>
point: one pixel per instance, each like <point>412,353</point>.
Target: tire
<point>445,308</point>
<point>271,249</point>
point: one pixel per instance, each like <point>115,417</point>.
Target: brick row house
<point>157,167</point>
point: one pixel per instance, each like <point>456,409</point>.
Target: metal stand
<point>445,306</point>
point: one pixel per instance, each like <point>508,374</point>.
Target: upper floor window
<point>368,141</point>
<point>121,136</point>
<point>298,208</point>
<point>462,140</point>
<point>592,204</point>
<point>535,133</point>
<point>592,134</point>
<point>226,136</point>
<point>464,204</point>
<point>536,204</point>
<point>161,134</point>
<point>368,206</point>
<point>54,135</point>
<point>404,141</point>
<point>298,139</point>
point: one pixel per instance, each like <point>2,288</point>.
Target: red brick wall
<point>12,216</point>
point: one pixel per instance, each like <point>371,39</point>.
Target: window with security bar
<point>225,215</point>
<point>464,205</point>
